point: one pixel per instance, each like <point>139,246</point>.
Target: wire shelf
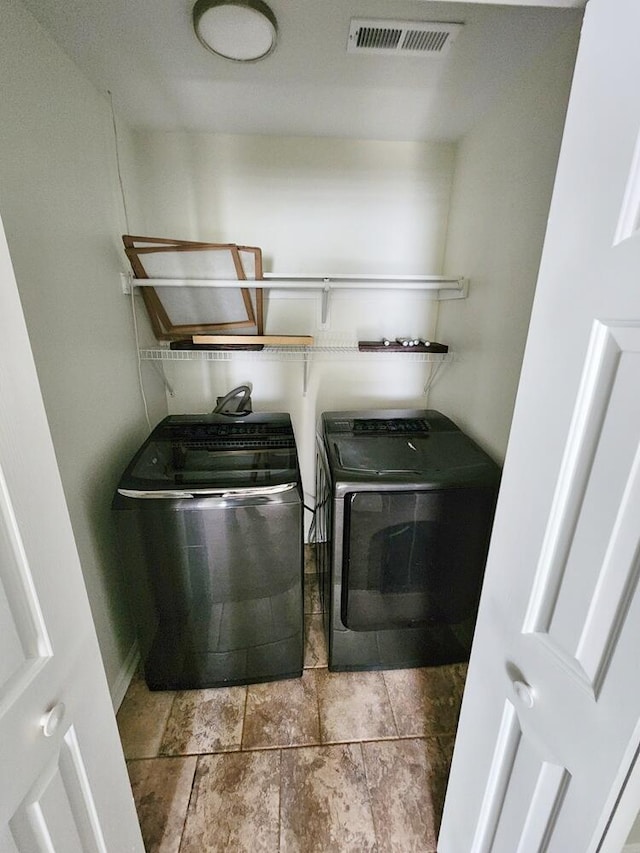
<point>268,353</point>
<point>289,353</point>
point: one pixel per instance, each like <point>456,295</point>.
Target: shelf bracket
<point>461,291</point>
<point>126,283</point>
<point>159,366</point>
<point>326,290</point>
<point>305,373</point>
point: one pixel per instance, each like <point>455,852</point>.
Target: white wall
<point>315,206</point>
<point>502,189</point>
<point>61,211</point>
<point>311,204</point>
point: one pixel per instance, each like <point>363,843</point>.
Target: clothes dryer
<point>405,504</point>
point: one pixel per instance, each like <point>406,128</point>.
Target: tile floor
<point>328,763</point>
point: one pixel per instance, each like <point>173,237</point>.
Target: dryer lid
<point>420,448</point>
<point>432,456</point>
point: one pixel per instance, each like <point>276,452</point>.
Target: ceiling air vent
<point>401,38</point>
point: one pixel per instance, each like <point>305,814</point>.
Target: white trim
<point>560,4</point>
<point>125,676</point>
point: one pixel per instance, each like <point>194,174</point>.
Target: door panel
<point>554,676</point>
<point>629,220</point>
<point>59,812</point>
<point>551,784</point>
<point>63,780</point>
<point>25,639</point>
<point>583,579</point>
<point>531,801</point>
<point>7,844</point>
<point>524,787</point>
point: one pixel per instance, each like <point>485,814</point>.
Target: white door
<point>551,715</point>
<point>63,780</point>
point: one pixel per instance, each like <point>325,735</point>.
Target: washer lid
<point>188,452</point>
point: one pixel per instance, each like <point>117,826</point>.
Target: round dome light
<point>242,30</point>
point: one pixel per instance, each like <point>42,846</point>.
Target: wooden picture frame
<point>179,312</point>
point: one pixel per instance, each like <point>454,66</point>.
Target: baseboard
<point>122,682</point>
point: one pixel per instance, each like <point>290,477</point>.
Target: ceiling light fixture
<point>242,30</point>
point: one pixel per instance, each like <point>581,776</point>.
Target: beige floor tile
<point>161,789</point>
<point>142,719</point>
<point>324,801</point>
<point>315,647</point>
<point>205,721</point>
<point>282,713</point>
<point>354,706</point>
<point>459,671</point>
<point>312,602</point>
<point>425,701</point>
<point>235,804</point>
<point>443,751</point>
<point>400,776</point>
<point>310,566</point>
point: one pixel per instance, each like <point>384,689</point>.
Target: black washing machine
<point>210,517</point>
<point>405,505</point>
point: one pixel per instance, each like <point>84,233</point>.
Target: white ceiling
<point>146,54</point>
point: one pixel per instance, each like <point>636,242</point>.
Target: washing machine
<point>405,505</point>
<point>209,514</point>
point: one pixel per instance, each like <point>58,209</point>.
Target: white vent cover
<point>401,38</point>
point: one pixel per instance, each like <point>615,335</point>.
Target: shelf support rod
<point>315,283</point>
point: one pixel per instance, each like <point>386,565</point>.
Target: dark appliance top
<point>410,448</point>
<point>215,451</point>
